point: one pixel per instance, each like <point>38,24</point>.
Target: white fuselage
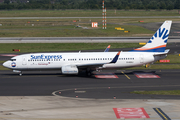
<point>41,61</point>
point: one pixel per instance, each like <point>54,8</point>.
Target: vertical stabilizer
<point>158,41</point>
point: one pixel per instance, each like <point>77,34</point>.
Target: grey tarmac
<point>31,96</point>
<point>80,39</point>
<point>121,17</point>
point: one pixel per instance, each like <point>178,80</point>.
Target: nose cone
<point>6,64</point>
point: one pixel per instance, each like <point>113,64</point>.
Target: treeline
<point>90,4</point>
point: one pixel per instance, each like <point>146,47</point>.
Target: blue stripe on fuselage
<point>162,49</point>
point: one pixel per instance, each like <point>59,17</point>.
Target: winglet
<point>107,49</point>
<point>115,58</point>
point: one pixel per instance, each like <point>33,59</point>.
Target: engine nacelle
<point>69,69</point>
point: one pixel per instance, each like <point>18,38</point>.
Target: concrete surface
<point>80,39</point>
<point>65,108</point>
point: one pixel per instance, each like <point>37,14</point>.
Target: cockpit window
<point>13,59</point>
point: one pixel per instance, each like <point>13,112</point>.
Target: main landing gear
<point>88,72</point>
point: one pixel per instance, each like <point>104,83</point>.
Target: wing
<point>95,65</point>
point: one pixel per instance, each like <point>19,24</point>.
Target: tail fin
<point>158,41</point>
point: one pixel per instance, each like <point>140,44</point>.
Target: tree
<point>7,1</point>
<point>177,4</point>
<point>162,5</point>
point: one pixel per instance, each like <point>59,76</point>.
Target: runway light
<point>76,96</point>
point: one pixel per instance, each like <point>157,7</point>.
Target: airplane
<point>74,62</point>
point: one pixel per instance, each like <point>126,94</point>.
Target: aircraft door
<point>141,58</point>
<point>24,61</point>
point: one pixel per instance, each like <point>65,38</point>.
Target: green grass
<point>85,13</point>
<point>162,92</point>
<point>68,30</point>
<point>156,66</point>
<point>174,58</point>
<point>49,47</point>
<point>2,67</point>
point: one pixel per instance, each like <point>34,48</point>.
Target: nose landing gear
<point>17,71</point>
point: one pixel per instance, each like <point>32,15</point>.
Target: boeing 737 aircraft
<point>72,63</point>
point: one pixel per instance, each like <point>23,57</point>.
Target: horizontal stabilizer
<point>162,53</point>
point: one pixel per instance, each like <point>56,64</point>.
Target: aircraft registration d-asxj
<point>72,63</point>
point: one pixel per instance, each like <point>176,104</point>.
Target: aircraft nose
<point>6,64</point>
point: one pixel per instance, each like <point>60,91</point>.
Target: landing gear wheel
<point>88,73</point>
<point>20,74</point>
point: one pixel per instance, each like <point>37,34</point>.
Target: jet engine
<point>69,69</point>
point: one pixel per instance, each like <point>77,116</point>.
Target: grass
<point>2,67</point>
<point>67,28</point>
<point>156,66</point>
<point>51,29</point>
<point>85,13</point>
<point>162,92</point>
<point>174,58</point>
<point>49,47</point>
